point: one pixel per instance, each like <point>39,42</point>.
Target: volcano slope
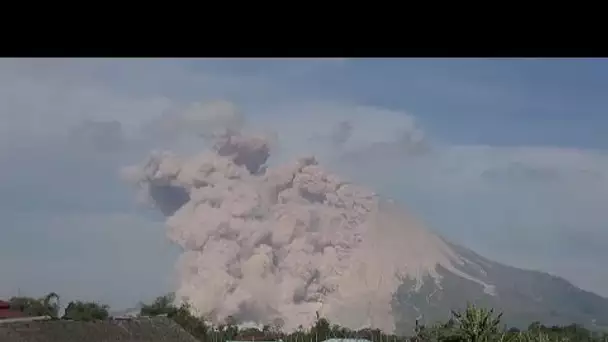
<point>277,245</point>
<point>523,296</point>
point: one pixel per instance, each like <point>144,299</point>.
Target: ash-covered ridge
<point>276,245</point>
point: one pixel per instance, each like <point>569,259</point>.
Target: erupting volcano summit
<point>277,245</point>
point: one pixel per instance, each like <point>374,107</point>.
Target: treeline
<point>49,306</point>
<point>470,325</point>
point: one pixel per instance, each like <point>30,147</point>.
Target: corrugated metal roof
<point>153,329</point>
<point>347,340</point>
<point>251,340</point>
<point>24,319</point>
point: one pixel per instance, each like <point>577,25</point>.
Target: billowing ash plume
<point>277,245</point>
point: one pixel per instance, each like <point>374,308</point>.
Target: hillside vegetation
<point>472,324</point>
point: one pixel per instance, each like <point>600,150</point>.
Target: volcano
<point>277,245</point>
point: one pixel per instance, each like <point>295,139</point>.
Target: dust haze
<point>277,244</point>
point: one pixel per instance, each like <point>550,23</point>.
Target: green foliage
<point>473,324</point>
<point>85,311</point>
<point>322,329</point>
<point>194,325</point>
<point>164,305</point>
<point>45,306</point>
<point>477,324</point>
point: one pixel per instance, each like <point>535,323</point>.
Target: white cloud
<point>44,100</point>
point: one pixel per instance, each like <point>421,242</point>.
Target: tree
<point>162,305</point>
<point>232,330</point>
<point>194,325</point>
<point>444,332</point>
<point>86,311</point>
<point>45,306</point>
<point>477,324</point>
<point>321,330</point>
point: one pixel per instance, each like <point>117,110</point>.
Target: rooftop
<point>6,312</point>
<point>347,340</point>
<point>143,329</point>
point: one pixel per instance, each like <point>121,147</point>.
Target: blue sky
<point>516,167</point>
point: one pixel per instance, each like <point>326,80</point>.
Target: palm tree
<point>477,324</point>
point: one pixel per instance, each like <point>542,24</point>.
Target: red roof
<point>6,312</point>
<point>11,314</point>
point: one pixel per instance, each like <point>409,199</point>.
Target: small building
<point>7,313</point>
<point>143,329</point>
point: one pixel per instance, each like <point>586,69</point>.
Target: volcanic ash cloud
<point>276,245</point>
